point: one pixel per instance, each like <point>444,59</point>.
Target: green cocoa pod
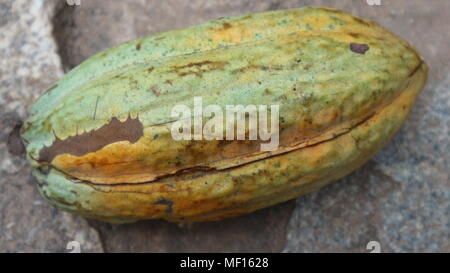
<point>100,140</point>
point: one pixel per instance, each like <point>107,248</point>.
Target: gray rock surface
<point>400,198</point>
<point>29,64</point>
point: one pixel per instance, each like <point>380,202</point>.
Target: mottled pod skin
<point>100,140</point>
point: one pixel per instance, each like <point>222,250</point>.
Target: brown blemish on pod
<point>156,91</point>
<point>166,202</point>
<point>130,130</point>
<point>226,26</point>
<point>138,46</point>
<point>257,67</point>
<point>198,68</point>
<point>359,48</point>
<point>354,35</point>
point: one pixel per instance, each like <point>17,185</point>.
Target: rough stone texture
<point>400,198</point>
<point>29,64</point>
<point>262,231</point>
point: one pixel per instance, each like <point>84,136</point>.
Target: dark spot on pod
<point>359,48</point>
<point>120,77</point>
<point>156,91</point>
<point>138,46</point>
<point>354,35</point>
<point>198,68</point>
<point>197,64</point>
<point>166,202</point>
<point>226,26</point>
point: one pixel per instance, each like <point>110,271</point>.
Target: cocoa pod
<point>100,140</point>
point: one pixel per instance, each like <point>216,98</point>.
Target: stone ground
<point>400,198</point>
